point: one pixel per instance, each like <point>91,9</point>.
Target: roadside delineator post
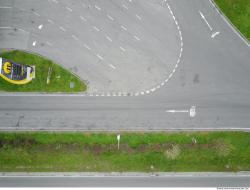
<point>118,140</point>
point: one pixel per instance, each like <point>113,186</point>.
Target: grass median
<point>59,81</point>
<point>139,152</point>
<point>238,11</point>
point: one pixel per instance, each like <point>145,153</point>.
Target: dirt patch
<point>173,152</point>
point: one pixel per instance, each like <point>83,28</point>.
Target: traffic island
<point>125,152</point>
<point>26,72</point>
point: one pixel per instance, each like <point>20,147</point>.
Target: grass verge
<point>60,78</point>
<point>141,152</point>
<point>238,11</point>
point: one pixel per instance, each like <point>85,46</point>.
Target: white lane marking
<point>74,37</point>
<point>54,1</point>
<point>82,18</point>
<point>108,38</point>
<point>50,44</point>
<point>215,34</point>
<point>99,56</point>
<point>97,29</point>
<point>130,1</point>
<point>63,29</point>
<point>124,28</point>
<point>86,46</point>
<point>5,7</point>
<point>98,8</point>
<point>124,6</point>
<point>137,38</point>
<point>69,9</point>
<point>50,21</point>
<point>204,18</point>
<point>34,43</point>
<point>110,17</point>
<point>40,27</point>
<point>36,13</point>
<point>112,66</point>
<point>137,16</point>
<point>122,49</point>
<point>5,27</point>
<point>191,111</point>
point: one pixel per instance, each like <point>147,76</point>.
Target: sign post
<point>118,140</point>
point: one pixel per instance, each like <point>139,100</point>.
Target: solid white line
<point>5,7</point>
<point>204,18</point>
<point>215,34</point>
<point>5,27</point>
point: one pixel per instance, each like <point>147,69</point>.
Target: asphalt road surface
<point>212,74</point>
<point>170,181</point>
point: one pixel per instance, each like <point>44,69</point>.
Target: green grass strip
<point>139,152</point>
<point>238,11</point>
<point>60,78</point>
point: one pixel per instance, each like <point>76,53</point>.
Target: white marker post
<point>118,140</point>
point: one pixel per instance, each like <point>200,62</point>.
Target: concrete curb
<point>124,174</point>
<point>232,26</point>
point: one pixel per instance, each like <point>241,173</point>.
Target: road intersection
<point>212,74</point>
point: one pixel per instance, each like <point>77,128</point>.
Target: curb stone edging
<point>123,174</point>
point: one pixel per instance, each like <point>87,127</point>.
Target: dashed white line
<point>108,38</point>
<point>86,46</point>
<point>137,16</point>
<point>63,29</point>
<point>122,48</point>
<point>74,37</point>
<point>110,17</point>
<point>69,9</point>
<point>36,14</point>
<point>99,56</point>
<point>82,18</point>
<point>124,28</point>
<point>124,6</point>
<point>50,21</point>
<point>112,66</point>
<point>98,8</point>
<point>137,38</point>
<point>97,29</point>
<point>50,44</point>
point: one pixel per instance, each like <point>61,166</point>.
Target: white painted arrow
<point>191,111</point>
<point>204,18</point>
